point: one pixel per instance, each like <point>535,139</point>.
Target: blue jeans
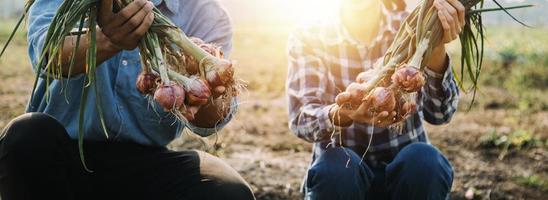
<point>419,171</point>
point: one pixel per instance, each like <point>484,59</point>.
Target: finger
<point>446,19</point>
<point>136,20</point>
<point>140,31</point>
<point>383,114</point>
<point>460,10</point>
<point>344,112</point>
<point>444,25</point>
<point>126,13</point>
<point>441,15</point>
<point>105,11</point>
<point>452,18</point>
<point>362,114</point>
<point>448,34</point>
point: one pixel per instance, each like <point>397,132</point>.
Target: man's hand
<point>451,14</point>
<point>342,116</point>
<point>118,31</point>
<point>354,109</point>
<point>127,27</point>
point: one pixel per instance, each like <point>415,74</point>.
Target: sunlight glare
<point>310,10</point>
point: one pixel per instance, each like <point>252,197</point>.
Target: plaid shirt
<point>324,59</point>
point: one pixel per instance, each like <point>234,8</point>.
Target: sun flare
<point>310,10</point>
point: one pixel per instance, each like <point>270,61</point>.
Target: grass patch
<point>6,28</point>
<point>533,181</point>
<point>513,141</point>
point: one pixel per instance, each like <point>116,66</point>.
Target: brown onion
<point>382,99</point>
<point>147,83</point>
<point>408,79</point>
<point>170,97</point>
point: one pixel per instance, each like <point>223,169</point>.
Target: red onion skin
<point>170,97</point>
<point>220,75</point>
<point>212,49</point>
<point>356,92</point>
<point>382,99</point>
<point>408,79</point>
<point>147,83</point>
<point>198,88</point>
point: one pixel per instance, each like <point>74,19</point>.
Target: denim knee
<point>338,174</point>
<point>419,171</point>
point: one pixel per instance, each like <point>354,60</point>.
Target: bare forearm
<point>212,113</point>
<point>105,50</point>
<point>438,60</point>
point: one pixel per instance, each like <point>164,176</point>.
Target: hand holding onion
<point>199,81</point>
<point>377,97</point>
<point>378,108</point>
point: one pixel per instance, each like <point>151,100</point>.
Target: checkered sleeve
<point>308,98</point>
<point>440,96</point>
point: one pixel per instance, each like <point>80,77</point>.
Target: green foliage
<point>515,140</point>
<point>533,181</point>
<point>517,65</point>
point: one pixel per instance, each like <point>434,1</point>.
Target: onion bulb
<point>170,96</point>
<point>408,79</point>
<point>147,83</point>
<point>382,99</point>
<point>355,93</point>
<point>197,87</point>
<point>221,74</point>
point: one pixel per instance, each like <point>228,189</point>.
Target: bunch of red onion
<point>187,85</point>
<point>390,89</point>
<point>394,83</point>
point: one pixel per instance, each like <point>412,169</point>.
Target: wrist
<point>438,60</point>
